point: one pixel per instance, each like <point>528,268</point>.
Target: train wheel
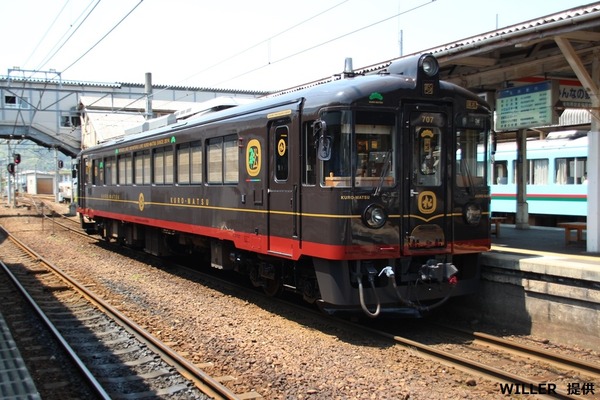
<point>272,287</point>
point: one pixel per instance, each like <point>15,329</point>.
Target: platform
<point>15,380</point>
<point>534,283</point>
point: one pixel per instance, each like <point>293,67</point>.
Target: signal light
<point>17,158</point>
<point>11,168</point>
<point>60,164</point>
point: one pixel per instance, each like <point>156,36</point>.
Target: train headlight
<point>374,216</point>
<point>472,214</point>
<point>429,65</point>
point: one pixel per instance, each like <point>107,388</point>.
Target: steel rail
<point>471,366</point>
<point>203,381</point>
<point>96,386</point>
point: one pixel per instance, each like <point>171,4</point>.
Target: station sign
<point>527,106</point>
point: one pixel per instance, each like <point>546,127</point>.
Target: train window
<point>169,166</point>
<point>124,164</point>
<point>196,162</point>
<point>110,171</point>
<point>363,149</point>
<point>215,160</point>
<point>537,172</point>
<point>159,166</point>
<point>223,160</point>
<point>571,171</point>
<point>500,173</point>
<point>337,170</point>
<point>281,155</point>
<point>183,164</point>
<point>98,172</point>
<point>309,151</point>
<point>231,159</point>
<point>142,168</point>
<point>427,155</point>
<point>470,169</point>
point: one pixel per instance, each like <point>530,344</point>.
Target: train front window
<point>363,145</point>
<point>471,158</point>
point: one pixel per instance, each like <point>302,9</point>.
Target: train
<point>366,195</point>
<point>556,171</point>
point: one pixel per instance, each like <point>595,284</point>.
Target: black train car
<point>364,193</point>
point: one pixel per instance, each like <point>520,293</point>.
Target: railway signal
<point>17,158</point>
<point>11,168</point>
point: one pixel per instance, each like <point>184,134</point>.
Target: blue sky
<point>251,45</point>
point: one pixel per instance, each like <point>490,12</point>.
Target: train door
<point>282,191</point>
<point>428,226</point>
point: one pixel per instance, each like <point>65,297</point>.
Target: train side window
<point>98,172</point>
<point>281,154</point>
<point>500,173</point>
<point>570,171</point>
<point>309,151</point>
<point>169,166</point>
<point>537,172</point>
<point>196,162</point>
<point>159,166</point>
<point>215,160</point>
<point>110,171</point>
<point>142,168</point>
<point>183,164</point>
<point>231,164</point>
<point>124,165</point>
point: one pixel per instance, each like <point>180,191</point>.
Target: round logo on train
<point>253,157</point>
<point>427,202</point>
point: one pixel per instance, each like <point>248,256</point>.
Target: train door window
<point>159,166</point>
<point>110,171</point>
<point>196,162</point>
<point>281,154</point>
<point>124,164</point>
<point>470,151</point>
<point>215,160</point>
<point>169,166</point>
<point>231,165</point>
<point>537,172</point>
<point>309,152</point>
<point>571,171</point>
<point>183,164</point>
<point>500,173</point>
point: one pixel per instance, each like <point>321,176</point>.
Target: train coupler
<point>434,271</point>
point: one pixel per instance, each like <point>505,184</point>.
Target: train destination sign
<point>526,106</point>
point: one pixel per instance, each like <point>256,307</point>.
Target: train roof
<point>554,141</point>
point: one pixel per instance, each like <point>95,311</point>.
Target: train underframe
<point>410,286</point>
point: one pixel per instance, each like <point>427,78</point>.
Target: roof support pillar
<point>593,164</point>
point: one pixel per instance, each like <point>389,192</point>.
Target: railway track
<point>534,372</point>
<point>117,357</point>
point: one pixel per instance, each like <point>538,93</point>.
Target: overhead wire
<point>104,37</point>
<point>46,33</point>
<point>327,42</point>
<point>240,52</point>
<point>61,45</point>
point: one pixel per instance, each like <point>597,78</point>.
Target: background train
<point>364,194</point>
<point>556,178</point>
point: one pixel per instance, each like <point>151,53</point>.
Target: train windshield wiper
<point>384,172</point>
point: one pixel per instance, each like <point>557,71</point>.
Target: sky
<point>259,45</point>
